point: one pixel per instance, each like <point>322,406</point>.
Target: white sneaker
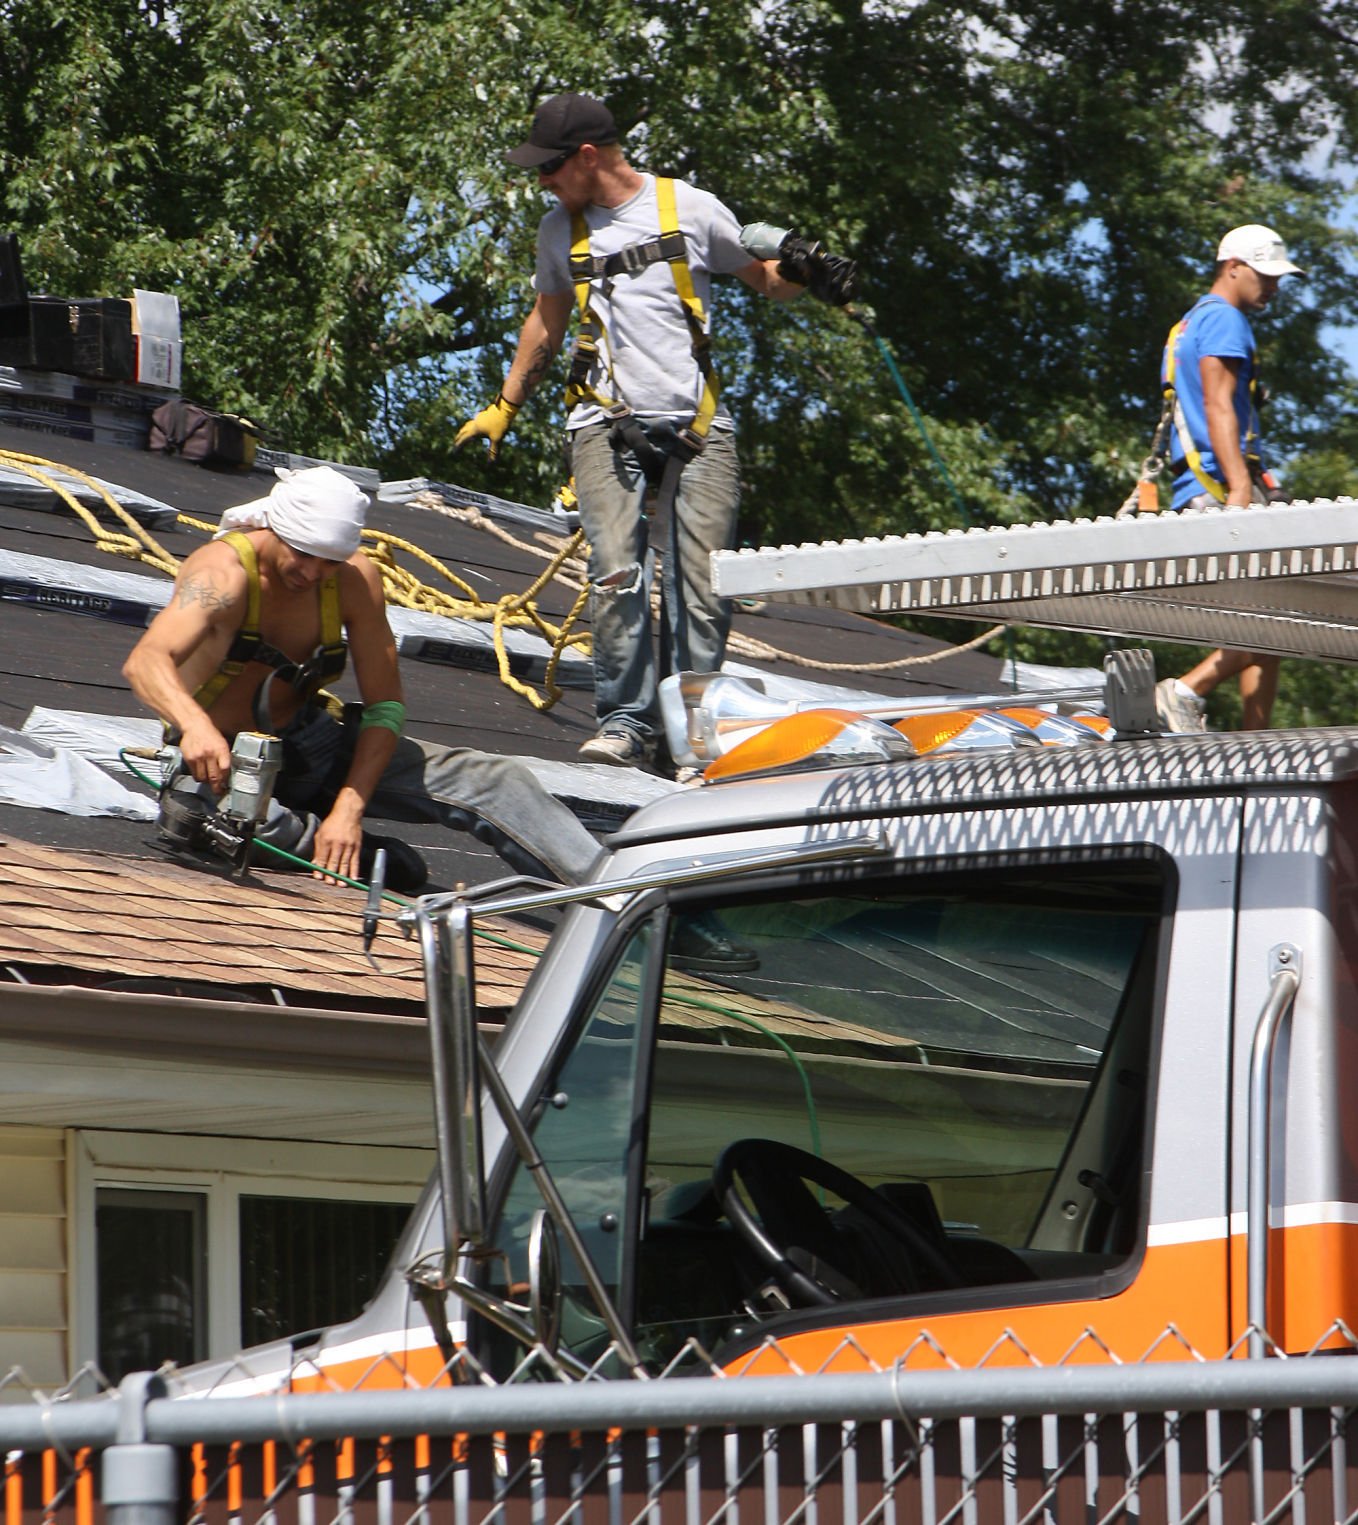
<point>619,747</point>
<point>1178,707</point>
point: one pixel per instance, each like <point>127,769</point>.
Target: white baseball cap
<point>1260,248</point>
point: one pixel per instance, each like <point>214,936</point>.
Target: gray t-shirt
<point>646,355</point>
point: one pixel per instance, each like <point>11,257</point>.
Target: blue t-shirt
<point>1212,327</point>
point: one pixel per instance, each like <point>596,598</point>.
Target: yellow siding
<point>33,1284</point>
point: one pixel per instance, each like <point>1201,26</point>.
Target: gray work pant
<point>611,490</point>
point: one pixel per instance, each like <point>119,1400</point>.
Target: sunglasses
<point>552,165</point>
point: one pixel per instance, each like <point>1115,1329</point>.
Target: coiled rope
<point>738,644</point>
<point>401,586</point>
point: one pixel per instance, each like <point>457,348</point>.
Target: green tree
<point>1033,189</point>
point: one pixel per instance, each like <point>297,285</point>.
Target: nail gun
<point>189,823</point>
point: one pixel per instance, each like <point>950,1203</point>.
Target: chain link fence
<point>1091,1440</point>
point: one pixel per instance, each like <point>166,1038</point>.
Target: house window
<point>191,1261</point>
<point>150,1248</point>
<point>305,1264</point>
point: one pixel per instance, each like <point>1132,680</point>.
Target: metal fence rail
<point>1173,1441</point>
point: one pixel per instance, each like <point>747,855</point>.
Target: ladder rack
<point>1274,578</point>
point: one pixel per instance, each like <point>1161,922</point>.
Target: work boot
<point>620,747</point>
<point>1178,707</point>
<point>407,872</point>
<point>701,945</point>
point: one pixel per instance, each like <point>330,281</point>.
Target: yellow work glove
<point>490,423</point>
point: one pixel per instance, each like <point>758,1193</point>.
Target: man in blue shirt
<point>1211,365</point>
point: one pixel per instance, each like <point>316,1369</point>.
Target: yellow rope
<point>400,585</point>
<point>139,545</point>
<point>738,644</point>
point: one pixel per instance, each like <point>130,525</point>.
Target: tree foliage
<point>1033,189</point>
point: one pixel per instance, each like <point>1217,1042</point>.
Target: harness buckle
<point>615,411</point>
<point>634,258</point>
<point>695,443</point>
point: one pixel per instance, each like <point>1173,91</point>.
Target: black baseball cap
<point>562,123</point>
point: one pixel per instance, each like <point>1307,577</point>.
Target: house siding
<point>34,1209</point>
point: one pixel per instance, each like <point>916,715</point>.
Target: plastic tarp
<point>599,795</point>
<point>41,776</point>
<point>19,489</point>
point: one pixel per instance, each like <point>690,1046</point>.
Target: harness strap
<point>631,260</point>
<point>326,662</point>
<point>1192,455</point>
<point>693,310</point>
<point>586,267</point>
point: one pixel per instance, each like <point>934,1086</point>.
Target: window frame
<point>168,1162</point>
<point>851,876</point>
<point>651,908</point>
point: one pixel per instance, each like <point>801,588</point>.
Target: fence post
<point>140,1481</point>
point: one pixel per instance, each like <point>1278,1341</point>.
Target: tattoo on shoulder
<point>199,591</point>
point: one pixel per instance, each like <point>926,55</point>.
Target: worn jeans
<point>495,798</point>
<point>611,490</point>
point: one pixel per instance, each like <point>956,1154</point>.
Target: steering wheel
<point>792,1223</point>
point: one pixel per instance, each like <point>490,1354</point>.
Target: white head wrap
<point>317,511</point>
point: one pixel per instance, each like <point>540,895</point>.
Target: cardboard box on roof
<point>160,350</point>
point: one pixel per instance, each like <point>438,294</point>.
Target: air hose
<point>864,317</point>
<point>278,852</point>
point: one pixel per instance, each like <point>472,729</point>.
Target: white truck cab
<point>1018,1055</point>
<point>983,1077</point>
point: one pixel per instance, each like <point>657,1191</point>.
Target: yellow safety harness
<point>324,665</point>
<point>1174,410</point>
<point>586,268</point>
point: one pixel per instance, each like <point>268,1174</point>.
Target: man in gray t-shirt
<point>652,449</point>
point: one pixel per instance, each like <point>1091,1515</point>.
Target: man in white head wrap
<point>318,512</point>
<point>261,618</point>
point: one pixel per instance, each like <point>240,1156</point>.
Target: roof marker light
<point>965,731</point>
<point>1060,730</point>
<point>825,738</point>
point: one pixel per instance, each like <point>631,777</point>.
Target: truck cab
<point>982,1091</point>
<point>973,1076</point>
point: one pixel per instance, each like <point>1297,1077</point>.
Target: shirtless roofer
<point>263,616</point>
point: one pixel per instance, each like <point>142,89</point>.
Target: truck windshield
<point>970,1050</point>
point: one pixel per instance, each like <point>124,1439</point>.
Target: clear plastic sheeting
<point>18,489</point>
<point>44,581</point>
<point>96,738</point>
<point>40,776</point>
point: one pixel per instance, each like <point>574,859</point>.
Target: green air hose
<point>278,852</point>
<point>864,317</point>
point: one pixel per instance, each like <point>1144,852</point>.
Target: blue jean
<point>495,798</point>
<point>694,623</point>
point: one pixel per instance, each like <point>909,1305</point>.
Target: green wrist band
<point>390,714</point>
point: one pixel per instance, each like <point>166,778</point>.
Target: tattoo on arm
<point>538,363</point>
<point>193,590</point>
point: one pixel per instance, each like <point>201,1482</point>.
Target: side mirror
<point>544,1280</point>
<point>446,942</point>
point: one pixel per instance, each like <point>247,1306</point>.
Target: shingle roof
<point>96,902</point>
<point>100,919</point>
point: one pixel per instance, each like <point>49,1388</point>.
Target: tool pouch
<point>220,440</point>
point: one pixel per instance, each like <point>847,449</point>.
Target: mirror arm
<point>537,1169</point>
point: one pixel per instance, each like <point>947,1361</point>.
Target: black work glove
<point>828,277</point>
